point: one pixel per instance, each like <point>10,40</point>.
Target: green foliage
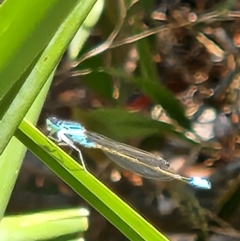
<point>28,59</point>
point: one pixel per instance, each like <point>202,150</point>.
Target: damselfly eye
<point>49,125</point>
<point>49,128</point>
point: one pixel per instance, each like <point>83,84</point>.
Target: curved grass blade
<point>130,223</point>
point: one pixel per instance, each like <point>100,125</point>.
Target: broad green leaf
<point>41,71</point>
<point>26,28</point>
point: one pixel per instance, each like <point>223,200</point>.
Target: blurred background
<point>166,81</point>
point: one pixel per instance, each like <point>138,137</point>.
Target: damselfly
<point>135,160</point>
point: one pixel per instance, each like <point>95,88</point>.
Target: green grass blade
<point>85,30</point>
<point>130,223</point>
<point>10,161</point>
<point>44,225</point>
